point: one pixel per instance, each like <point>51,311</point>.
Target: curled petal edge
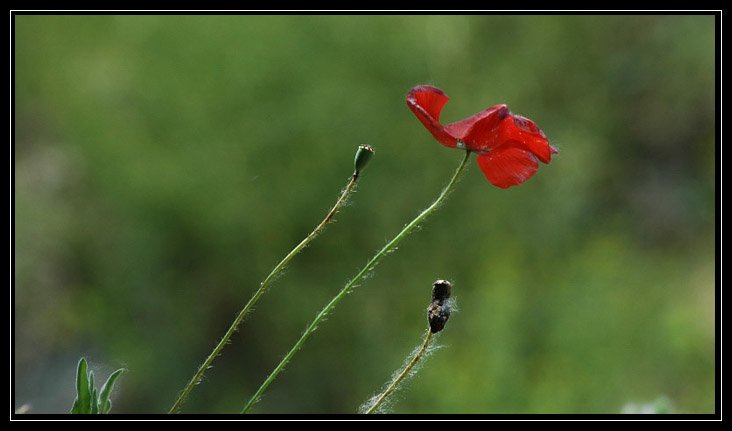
<point>427,102</point>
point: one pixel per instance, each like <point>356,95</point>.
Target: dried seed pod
<point>439,309</point>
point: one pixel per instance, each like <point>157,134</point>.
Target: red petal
<point>508,168</point>
<point>520,132</point>
<point>427,102</point>
<point>478,131</point>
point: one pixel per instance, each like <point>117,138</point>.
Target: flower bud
<point>439,310</point>
<point>363,155</point>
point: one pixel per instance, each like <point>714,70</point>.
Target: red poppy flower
<point>508,146</point>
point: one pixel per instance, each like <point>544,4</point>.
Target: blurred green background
<point>164,164</point>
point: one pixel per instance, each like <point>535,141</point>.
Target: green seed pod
<point>363,155</point>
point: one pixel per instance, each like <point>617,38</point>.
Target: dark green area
<point>163,165</point>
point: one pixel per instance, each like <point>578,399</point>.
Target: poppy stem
<point>351,284</point>
<point>262,288</point>
<point>405,372</point>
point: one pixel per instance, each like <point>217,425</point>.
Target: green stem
<point>405,372</point>
<point>310,329</point>
<point>197,377</point>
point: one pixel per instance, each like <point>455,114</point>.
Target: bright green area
<point>164,164</point>
<point>88,399</point>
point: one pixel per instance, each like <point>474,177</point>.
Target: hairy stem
<point>262,288</point>
<point>348,287</point>
<point>405,372</point>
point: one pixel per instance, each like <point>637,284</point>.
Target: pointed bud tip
<point>363,156</point>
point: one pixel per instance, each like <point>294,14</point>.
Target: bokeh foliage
<point>164,164</point>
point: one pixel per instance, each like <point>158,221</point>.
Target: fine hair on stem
<point>350,285</point>
<point>363,155</point>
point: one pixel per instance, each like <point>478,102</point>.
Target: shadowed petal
<point>519,132</point>
<point>478,131</point>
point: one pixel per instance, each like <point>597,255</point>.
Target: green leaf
<point>104,404</point>
<point>91,388</point>
<point>75,408</point>
<point>82,403</point>
<point>106,407</point>
<point>94,402</point>
<point>88,399</point>
<point>93,391</point>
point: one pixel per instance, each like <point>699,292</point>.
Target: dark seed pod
<point>441,290</point>
<point>439,310</point>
